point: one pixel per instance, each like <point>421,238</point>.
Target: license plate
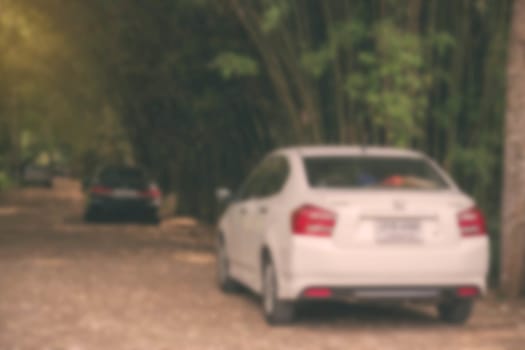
<point>125,194</point>
<point>391,231</point>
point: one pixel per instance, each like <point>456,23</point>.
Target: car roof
<point>117,168</point>
<point>338,151</point>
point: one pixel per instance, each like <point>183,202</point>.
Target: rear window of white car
<point>373,172</point>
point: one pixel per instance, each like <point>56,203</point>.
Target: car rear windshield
<point>373,172</point>
<point>123,177</point>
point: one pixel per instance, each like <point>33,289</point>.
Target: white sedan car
<point>353,224</point>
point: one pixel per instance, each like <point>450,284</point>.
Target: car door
<point>263,209</point>
<point>239,213</point>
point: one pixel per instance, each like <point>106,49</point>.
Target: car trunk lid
<point>369,218</point>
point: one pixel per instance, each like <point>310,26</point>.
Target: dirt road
<point>65,285</point>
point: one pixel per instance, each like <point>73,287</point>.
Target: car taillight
<point>101,190</point>
<point>313,221</point>
<point>152,192</point>
<point>318,293</point>
<point>467,292</point>
<point>472,223</point>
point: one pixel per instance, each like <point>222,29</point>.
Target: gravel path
<point>65,285</point>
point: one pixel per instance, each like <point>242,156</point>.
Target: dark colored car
<point>122,192</point>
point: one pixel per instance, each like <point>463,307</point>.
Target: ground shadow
<point>78,219</point>
<point>385,315</point>
<point>372,314</point>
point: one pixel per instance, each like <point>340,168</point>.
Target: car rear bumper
<point>317,263</point>
<point>391,294</point>
<point>123,207</point>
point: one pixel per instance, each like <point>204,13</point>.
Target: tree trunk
<point>513,242</point>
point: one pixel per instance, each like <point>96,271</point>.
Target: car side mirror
<point>223,194</point>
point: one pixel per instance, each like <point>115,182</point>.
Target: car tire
<point>276,311</point>
<point>456,312</point>
<point>224,280</point>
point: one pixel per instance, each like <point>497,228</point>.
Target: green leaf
<point>442,42</point>
<point>273,16</point>
<point>347,34</point>
<point>316,62</point>
<point>367,58</point>
<point>231,64</point>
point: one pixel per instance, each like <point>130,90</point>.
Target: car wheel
<point>456,311</point>
<point>226,283</point>
<point>276,311</point>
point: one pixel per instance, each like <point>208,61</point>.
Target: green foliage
<point>347,34</point>
<point>231,64</point>
<point>441,42</point>
<point>473,166</point>
<point>50,98</point>
<point>317,62</point>
<point>5,181</point>
<point>392,83</point>
<point>342,35</point>
<point>274,15</point>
